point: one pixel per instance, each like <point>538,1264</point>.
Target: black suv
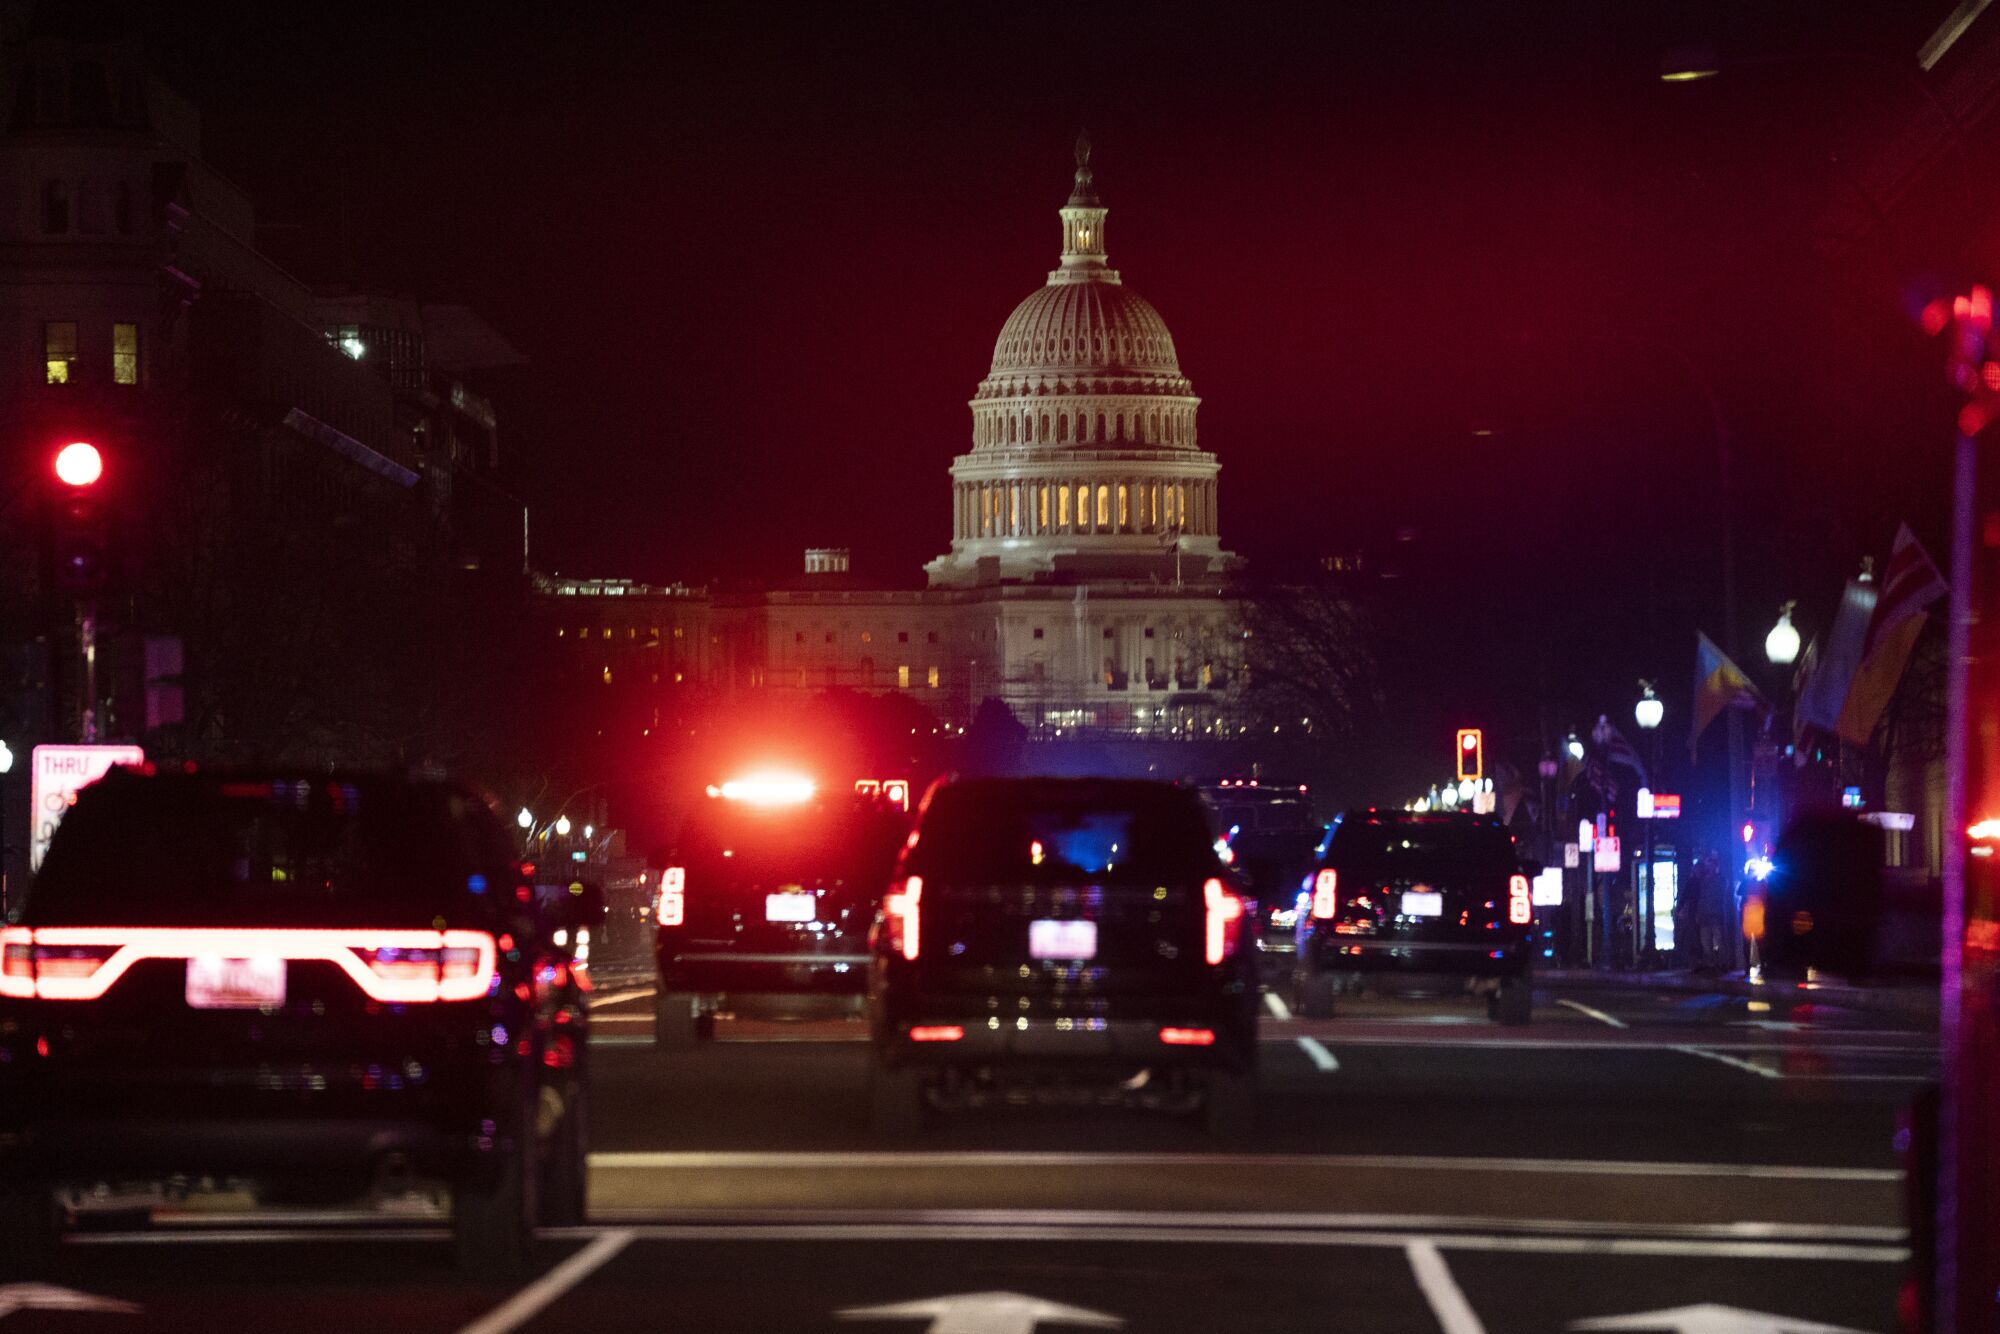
<point>765,901</point>
<point>1423,894</point>
<point>305,986</point>
<point>1049,937</point>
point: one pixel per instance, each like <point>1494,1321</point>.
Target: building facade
<point>1086,585</point>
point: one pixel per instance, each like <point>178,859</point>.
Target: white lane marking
<point>1617,1245</point>
<point>1454,1314</point>
<point>621,1018</point>
<point>1663,1042</point>
<point>620,997</point>
<point>696,1158</point>
<point>1322,1059</point>
<point>529,1302</point>
<point>1730,1061</point>
<point>1731,1250</point>
<point>1276,1005</point>
<point>1599,1015</point>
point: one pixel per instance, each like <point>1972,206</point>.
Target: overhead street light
<point>1649,710</point>
<point>6,759</point>
<point>562,826</point>
<point>1781,646</point>
<point>526,819</point>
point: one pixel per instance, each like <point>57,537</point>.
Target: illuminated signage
<point>58,774</point>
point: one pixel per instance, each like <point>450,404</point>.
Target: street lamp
<point>1649,710</point>
<point>6,759</point>
<point>1781,646</point>
<point>1574,746</point>
<point>589,831</point>
<point>562,826</point>
<point>526,819</point>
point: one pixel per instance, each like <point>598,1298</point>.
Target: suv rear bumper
<point>1326,953</point>
<point>1123,1043</point>
<point>720,972</point>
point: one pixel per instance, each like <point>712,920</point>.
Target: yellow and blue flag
<point>1718,684</point>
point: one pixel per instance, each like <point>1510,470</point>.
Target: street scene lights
<point>1649,710</point>
<point>526,819</point>
<point>1781,646</point>
<point>1574,745</point>
<point>79,464</point>
<point>562,826</point>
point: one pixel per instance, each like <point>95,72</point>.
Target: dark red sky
<point>757,257</point>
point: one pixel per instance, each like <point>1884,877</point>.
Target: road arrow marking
<point>1710,1318</point>
<point>44,1297</point>
<point>985,1313</point>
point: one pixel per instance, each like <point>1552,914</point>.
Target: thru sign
<point>59,773</point>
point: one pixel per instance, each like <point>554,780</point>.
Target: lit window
<point>1013,509</point>
<point>1103,506</point>
<point>903,677</point>
<point>561,631</point>
<point>678,632</point>
<point>1062,506</point>
<point>59,347</point>
<point>607,674</point>
<point>931,678</point>
<point>867,637</point>
<point>1042,508</point>
<point>607,632</point>
<point>1124,507</point>
<point>632,632</point>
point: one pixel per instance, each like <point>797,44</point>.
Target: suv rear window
<point>181,852</point>
<point>826,842</point>
<point>992,829</point>
<point>1446,847</point>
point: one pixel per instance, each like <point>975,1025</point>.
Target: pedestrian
<point>1710,892</point>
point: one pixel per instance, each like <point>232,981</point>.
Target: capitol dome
<point>1084,457</point>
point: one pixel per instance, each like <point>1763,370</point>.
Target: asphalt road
<point>1414,1167</point>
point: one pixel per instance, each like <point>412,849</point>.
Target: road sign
<point>1604,856</point>
<point>58,774</point>
<point>1666,806</point>
<point>985,1313</point>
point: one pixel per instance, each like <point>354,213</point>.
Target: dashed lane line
<point>1447,1300</point>
<point>530,1301</point>
<point>1730,1061</point>
<point>1599,1015</point>
<point>620,997</point>
<point>1276,1005</point>
<point>1322,1059</point>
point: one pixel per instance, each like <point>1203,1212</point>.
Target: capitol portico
<point>1085,584</point>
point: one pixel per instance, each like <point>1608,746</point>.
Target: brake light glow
<point>901,911</point>
<point>393,967</point>
<point>1223,911</point>
<point>1324,885</point>
<point>937,1033</point>
<point>1520,901</point>
<point>1188,1037</point>
<point>673,896</point>
<point>767,789</point>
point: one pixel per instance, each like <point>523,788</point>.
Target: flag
<point>1808,661</point>
<point>1718,684</point>
<point>1840,651</point>
<point>1616,749</point>
<point>1911,584</point>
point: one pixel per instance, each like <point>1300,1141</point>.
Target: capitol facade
<point>1085,586</point>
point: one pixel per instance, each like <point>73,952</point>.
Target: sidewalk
<point>1914,1000</point>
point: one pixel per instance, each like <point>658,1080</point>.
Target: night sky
<point>757,257</point>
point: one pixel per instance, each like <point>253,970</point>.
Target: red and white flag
<point>1910,584</point>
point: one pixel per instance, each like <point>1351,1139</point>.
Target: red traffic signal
<point>1471,754</point>
<point>78,464</point>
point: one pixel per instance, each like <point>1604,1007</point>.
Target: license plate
<point>789,908</point>
<point>215,983</point>
<point>1052,939</point>
<point>1423,905</point>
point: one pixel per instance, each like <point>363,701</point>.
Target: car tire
<point>1513,1003</point>
<point>1316,995</point>
<point>30,1229</point>
<point>1229,1107</point>
<point>677,1021</point>
<point>563,1192</point>
<point>493,1208</point>
<point>896,1104</point>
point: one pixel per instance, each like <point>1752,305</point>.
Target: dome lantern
<point>1083,256</point>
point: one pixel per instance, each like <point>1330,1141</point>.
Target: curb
<point>1905,1002</point>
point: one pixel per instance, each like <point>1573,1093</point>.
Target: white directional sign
<point>58,773</point>
<point>1710,1318</point>
<point>45,1297</point>
<point>985,1313</point>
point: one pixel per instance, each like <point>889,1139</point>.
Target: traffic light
<point>79,529</point>
<point>1471,754</point>
<point>1971,357</point>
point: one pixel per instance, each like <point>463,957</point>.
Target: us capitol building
<point>1086,584</point>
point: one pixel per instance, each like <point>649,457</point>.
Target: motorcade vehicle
<point>1062,939</point>
<point>1273,838</point>
<point>765,901</point>
<point>309,988</point>
<point>1439,895</point>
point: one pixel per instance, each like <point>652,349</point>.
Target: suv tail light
<point>672,908</point>
<point>900,910</point>
<point>1223,912</point>
<point>393,967</point>
<point>1324,885</point>
<point>1520,902</point>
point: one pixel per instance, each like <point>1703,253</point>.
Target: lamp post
<point>1647,713</point>
<point>6,767</point>
<point>1781,646</point>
